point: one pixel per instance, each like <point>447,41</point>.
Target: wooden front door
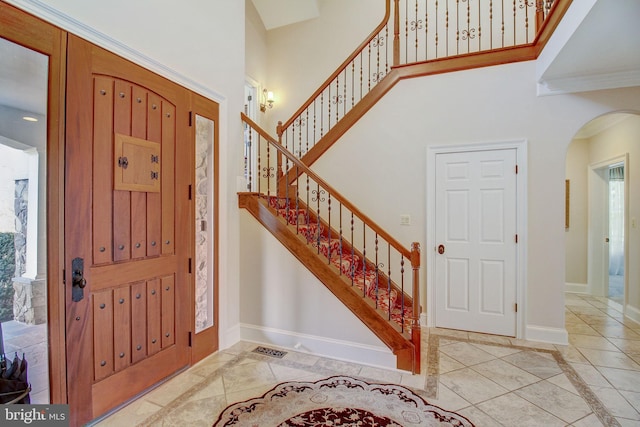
<point>127,222</point>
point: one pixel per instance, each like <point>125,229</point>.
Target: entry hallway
<point>491,380</point>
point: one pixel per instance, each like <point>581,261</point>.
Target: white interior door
<point>475,264</point>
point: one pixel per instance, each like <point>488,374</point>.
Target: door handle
<point>78,282</point>
<point>440,249</point>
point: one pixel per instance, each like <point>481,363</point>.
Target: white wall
<point>576,235</point>
<point>303,55</point>
<point>381,162</point>
<point>195,43</point>
<point>256,53</point>
<point>13,165</point>
<point>284,304</point>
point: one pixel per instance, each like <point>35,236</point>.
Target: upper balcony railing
<point>412,31</point>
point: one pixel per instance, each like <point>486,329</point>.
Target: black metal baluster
<point>402,296</point>
<point>259,167</point>
<point>307,139</point>
<point>364,258</point>
<point>514,22</point>
<point>341,240</point>
<point>437,33</point>
<point>426,31</point>
<point>297,199</point>
<point>479,26</point>
<point>377,267</point>
<point>353,87</point>
<point>308,216</point>
<point>502,28</point>
<point>344,92</point>
<point>389,279</point>
<point>457,27</point>
<point>353,264</point>
<point>249,160</point>
<point>329,227</point>
<point>321,115</point>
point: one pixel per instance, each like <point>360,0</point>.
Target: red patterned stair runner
<point>363,275</point>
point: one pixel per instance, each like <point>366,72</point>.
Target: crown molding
<point>585,83</point>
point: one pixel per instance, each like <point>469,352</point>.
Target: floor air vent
<point>270,352</point>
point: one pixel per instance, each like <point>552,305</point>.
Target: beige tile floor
<point>493,381</point>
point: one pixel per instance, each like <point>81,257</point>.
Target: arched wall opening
<point>602,235</point>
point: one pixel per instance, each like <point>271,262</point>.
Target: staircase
<point>363,266</point>
<point>357,260</point>
<point>417,38</point>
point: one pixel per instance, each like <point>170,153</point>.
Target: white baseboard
<point>632,313</point>
<point>546,334</point>
<point>320,346</point>
<point>576,288</point>
<point>230,337</point>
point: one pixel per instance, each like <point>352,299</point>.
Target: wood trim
<point>341,67</point>
<point>135,380</point>
<point>386,332</point>
<point>345,202</point>
<point>33,33</point>
<point>207,341</point>
<point>546,30</point>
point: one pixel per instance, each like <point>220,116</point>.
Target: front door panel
<point>130,329</point>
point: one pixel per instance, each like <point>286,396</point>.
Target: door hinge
<point>190,191</point>
<point>64,276</point>
<point>516,308</point>
<point>189,265</point>
<point>516,238</point>
<point>190,339</point>
<point>516,169</point>
<point>190,118</point>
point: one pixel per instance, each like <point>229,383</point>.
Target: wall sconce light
<point>267,100</point>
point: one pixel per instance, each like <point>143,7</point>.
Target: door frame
<point>24,29</point>
<point>598,226</point>
<point>521,222</point>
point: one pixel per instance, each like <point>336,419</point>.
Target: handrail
<point>339,70</point>
<point>414,32</point>
<point>345,202</point>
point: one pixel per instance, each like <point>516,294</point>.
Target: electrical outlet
<point>405,219</point>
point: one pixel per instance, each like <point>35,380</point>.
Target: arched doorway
<point>601,225</point>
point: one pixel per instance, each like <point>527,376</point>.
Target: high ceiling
<point>278,13</point>
<point>600,50</point>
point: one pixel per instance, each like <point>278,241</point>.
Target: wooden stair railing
<point>428,38</point>
<point>345,249</point>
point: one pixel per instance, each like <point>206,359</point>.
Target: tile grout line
<point>583,389</point>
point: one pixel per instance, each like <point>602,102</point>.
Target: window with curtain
<point>616,220</point>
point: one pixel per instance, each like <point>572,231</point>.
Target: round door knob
<point>440,249</point>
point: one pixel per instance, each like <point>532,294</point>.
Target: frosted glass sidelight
<point>204,238</point>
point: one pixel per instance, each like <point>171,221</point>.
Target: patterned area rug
<point>338,401</point>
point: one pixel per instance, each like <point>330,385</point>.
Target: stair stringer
<point>388,333</point>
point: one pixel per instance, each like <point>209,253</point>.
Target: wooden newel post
<point>415,320</point>
<point>396,32</point>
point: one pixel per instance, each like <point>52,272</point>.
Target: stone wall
<point>21,204</point>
